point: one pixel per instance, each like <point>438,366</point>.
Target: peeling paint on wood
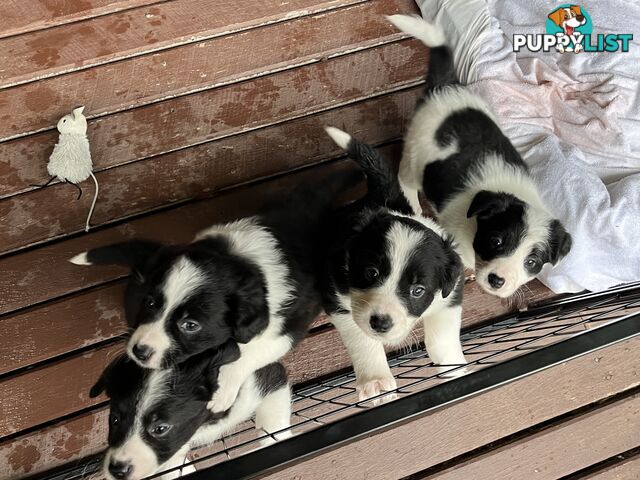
<point>179,71</point>
<point>88,43</point>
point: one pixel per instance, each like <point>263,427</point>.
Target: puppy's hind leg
<point>442,339</point>
<point>273,415</point>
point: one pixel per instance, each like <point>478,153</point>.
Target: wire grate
<point>332,400</point>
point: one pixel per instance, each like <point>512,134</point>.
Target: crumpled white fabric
<point>575,118</point>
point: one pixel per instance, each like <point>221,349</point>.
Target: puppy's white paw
<point>223,398</point>
<point>578,48</point>
<point>375,387</point>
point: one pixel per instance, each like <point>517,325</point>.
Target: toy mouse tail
<point>93,203</point>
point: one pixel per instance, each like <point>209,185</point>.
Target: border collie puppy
<point>251,281</point>
<point>386,268</point>
<point>473,176</point>
<point>157,416</point>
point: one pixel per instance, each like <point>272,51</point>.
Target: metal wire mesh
<point>333,399</point>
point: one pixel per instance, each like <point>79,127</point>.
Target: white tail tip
<point>427,33</point>
<point>341,138</point>
<point>80,259</point>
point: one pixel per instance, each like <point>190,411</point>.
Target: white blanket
<point>575,118</point>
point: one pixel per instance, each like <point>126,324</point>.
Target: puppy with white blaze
<point>157,416</point>
<point>387,268</point>
<point>250,281</point>
<point>475,179</point>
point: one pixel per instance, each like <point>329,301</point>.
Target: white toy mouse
<point>71,158</point>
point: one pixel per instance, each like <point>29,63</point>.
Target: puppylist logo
<point>569,29</point>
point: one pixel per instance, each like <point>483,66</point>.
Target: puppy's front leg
<point>442,339</point>
<point>274,415</point>
<point>369,359</point>
<point>256,354</point>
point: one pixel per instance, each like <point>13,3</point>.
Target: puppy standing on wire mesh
<point>157,416</point>
<point>387,268</point>
<point>479,186</point>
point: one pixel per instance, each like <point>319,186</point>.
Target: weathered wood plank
<point>53,446</point>
<point>288,146</point>
<point>139,187</point>
<point>559,450</point>
<point>61,327</point>
<point>625,470</point>
<point>199,66</point>
<point>213,114</point>
<point>87,43</point>
<point>477,421</point>
<point>28,15</point>
<point>64,384</point>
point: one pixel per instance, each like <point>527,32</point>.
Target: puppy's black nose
<point>381,323</point>
<point>495,281</point>
<point>142,352</point>
<point>580,18</point>
<point>119,470</point>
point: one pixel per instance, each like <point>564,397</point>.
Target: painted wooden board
<point>197,66</point>
<point>142,186</point>
<point>53,446</point>
<point>21,16</point>
<point>561,449</point>
<point>60,327</point>
<point>214,114</point>
<point>417,445</point>
<point>137,31</point>
<point>628,469</point>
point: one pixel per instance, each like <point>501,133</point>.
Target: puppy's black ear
<point>226,353</point>
<point>105,377</point>
<point>133,254</point>
<point>452,270</point>
<point>248,313</point>
<point>486,204</point>
<point>559,242</point>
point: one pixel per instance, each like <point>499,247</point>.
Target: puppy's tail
<point>442,71</point>
<point>383,188</point>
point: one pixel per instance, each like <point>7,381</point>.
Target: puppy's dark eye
<point>530,262</point>
<point>190,326</point>
<point>371,273</point>
<point>150,302</point>
<point>417,291</point>
<point>496,242</point>
<point>159,430</point>
<point>114,419</point>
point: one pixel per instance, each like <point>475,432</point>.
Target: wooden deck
<point>196,111</point>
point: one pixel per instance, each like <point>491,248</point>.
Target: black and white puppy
<point>157,416</point>
<point>473,176</point>
<point>386,269</point>
<point>251,281</point>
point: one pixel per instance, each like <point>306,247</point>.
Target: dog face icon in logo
<point>568,20</point>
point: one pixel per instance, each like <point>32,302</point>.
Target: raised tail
<point>383,188</point>
<point>442,71</point>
